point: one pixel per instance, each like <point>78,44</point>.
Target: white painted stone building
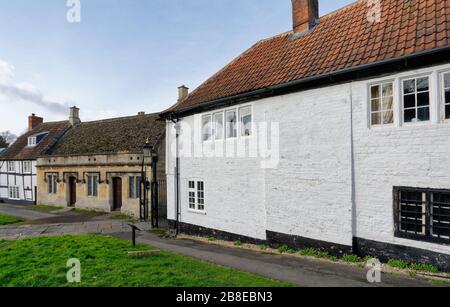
<point>356,127</point>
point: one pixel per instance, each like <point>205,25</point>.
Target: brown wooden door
<point>72,191</point>
<point>117,194</point>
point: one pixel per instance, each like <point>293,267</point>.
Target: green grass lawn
<point>104,262</point>
<point>8,219</point>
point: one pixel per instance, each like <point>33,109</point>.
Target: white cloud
<point>16,92</point>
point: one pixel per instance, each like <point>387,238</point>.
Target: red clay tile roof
<point>343,39</point>
<point>19,150</point>
<point>110,136</point>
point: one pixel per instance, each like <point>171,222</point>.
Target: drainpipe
<point>353,188</point>
<point>176,121</point>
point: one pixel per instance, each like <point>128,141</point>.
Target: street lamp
<point>143,196</point>
<point>155,200</point>
<point>149,152</point>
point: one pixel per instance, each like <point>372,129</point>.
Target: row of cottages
<point>98,165</point>
<point>335,135</point>
<point>94,165</point>
<point>18,181</point>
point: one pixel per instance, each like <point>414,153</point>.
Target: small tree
<point>3,143</point>
<point>6,139</point>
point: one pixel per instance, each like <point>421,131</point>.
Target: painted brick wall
<point>401,155</point>
<point>234,188</point>
<point>309,194</point>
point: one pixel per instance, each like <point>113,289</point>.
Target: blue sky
<point>125,56</point>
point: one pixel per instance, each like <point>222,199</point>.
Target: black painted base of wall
<point>361,247</point>
<point>194,230</point>
<point>275,240</point>
<point>386,251</point>
<point>17,202</point>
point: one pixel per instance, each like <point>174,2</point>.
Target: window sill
<point>197,212</point>
<point>421,238</point>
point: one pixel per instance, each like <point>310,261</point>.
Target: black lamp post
<point>149,153</point>
<point>155,200</point>
<point>143,197</point>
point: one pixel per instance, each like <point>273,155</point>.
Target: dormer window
<point>33,140</point>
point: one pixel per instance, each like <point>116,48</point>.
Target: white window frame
<point>241,123</point>
<point>227,130</point>
<point>14,192</point>
<point>442,91</point>
<point>216,128</point>
<point>380,84</point>
<point>32,141</point>
<point>210,128</point>
<point>196,196</point>
<point>430,95</point>
<point>27,167</point>
<point>11,165</point>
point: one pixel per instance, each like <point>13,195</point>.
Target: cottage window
<point>134,189</point>
<point>27,167</point>
<point>32,141</point>
<point>206,128</point>
<point>416,100</point>
<point>11,166</point>
<point>382,104</point>
<point>246,121</point>
<point>423,214</point>
<point>446,94</point>
<point>196,193</point>
<point>231,123</point>
<point>14,192</point>
<point>52,184</point>
<point>192,195</point>
<point>92,185</point>
<point>218,126</point>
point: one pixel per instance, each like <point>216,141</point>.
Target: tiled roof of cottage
<point>110,136</point>
<point>20,150</point>
<point>343,39</point>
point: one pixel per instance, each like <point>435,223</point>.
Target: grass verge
<point>8,220</point>
<point>41,262</point>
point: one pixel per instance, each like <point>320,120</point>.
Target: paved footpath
<point>303,272</point>
<point>93,227</point>
<point>23,212</point>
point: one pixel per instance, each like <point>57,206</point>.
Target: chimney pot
<point>305,13</point>
<point>34,121</point>
<point>74,116</point>
<point>183,92</point>
<point>141,113</point>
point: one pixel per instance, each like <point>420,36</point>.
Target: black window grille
<point>422,214</point>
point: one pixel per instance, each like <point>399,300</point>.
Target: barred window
<point>423,214</point>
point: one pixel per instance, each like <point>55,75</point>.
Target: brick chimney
<point>305,14</point>
<point>74,116</point>
<point>183,92</point>
<point>34,121</point>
